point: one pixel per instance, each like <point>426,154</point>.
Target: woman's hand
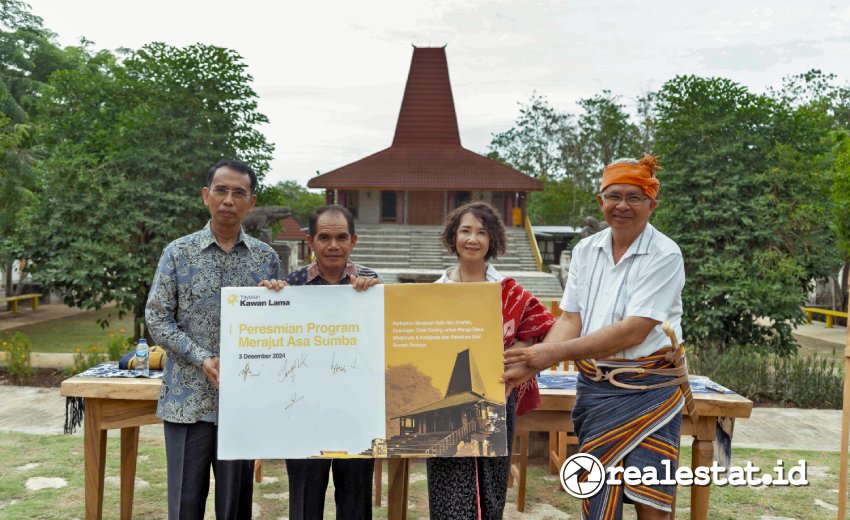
<point>521,364</point>
<point>273,284</point>
<point>516,375</point>
<point>510,384</point>
<point>517,372</point>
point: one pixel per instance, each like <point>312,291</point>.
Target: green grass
<point>729,502</point>
<point>820,348</point>
<point>78,331</point>
<point>732,503</point>
<point>62,456</point>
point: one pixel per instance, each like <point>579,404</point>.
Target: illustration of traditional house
<point>464,412</point>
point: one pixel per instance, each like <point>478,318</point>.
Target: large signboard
<point>394,371</point>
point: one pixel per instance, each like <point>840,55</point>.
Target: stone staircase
<point>545,286</point>
<point>415,253</point>
<point>382,247</point>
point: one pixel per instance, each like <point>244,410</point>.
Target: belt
<point>679,374</point>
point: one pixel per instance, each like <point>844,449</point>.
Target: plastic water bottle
<point>142,358</point>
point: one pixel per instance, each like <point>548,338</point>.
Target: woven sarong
<point>627,427</point>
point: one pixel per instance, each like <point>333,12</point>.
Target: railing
<point>534,247</point>
<point>453,438</point>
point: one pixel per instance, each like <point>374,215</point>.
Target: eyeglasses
<point>616,198</point>
<point>221,192</point>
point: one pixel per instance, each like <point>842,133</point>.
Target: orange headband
<point>641,174</point>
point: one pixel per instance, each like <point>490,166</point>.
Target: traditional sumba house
<point>425,173</point>
<point>465,410</point>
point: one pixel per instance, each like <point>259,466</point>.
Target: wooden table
<point>111,403</point>
<point>555,415</point>
<point>129,403</point>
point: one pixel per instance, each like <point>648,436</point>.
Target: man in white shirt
<point>624,283</point>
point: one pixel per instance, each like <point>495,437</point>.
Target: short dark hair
<point>234,165</point>
<point>492,223</point>
<point>342,210</point>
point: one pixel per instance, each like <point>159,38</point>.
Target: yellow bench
<point>21,297</point>
<point>830,314</point>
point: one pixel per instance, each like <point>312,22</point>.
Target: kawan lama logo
<point>232,299</point>
<point>571,473</point>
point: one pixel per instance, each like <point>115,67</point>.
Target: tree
<point>605,134</point>
<point>28,55</point>
<point>841,204</point>
<point>301,201</point>
<point>567,153</point>
<point>537,145</point>
<point>647,120</point>
<point>820,98</point>
<point>534,145</point>
<point>561,202</point>
<point>817,93</point>
<point>17,189</point>
<point>742,195</point>
<point>16,14</point>
<point>128,147</point>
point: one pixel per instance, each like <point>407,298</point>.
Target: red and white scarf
<point>524,318</point>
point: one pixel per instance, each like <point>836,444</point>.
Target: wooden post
<point>398,473</point>
<point>378,482</point>
<point>523,467</point>
<point>509,208</point>
<point>399,207</point>
<point>129,454</point>
<point>845,426</point>
<point>523,201</point>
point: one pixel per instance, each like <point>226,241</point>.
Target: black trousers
<point>190,451</point>
<point>457,486</point>
<point>308,482</point>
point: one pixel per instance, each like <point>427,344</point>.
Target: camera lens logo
<point>574,467</point>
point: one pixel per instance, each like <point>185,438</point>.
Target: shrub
<point>118,346</point>
<point>83,360</point>
<point>801,381</point>
<point>18,361</point>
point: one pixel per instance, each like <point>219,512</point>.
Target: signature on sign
<point>294,398</point>
<point>287,371</point>
<point>341,368</point>
<point>246,372</point>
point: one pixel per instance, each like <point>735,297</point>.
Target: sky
<point>330,75</point>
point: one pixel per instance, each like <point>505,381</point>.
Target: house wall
<point>483,196</point>
<point>426,207</point>
<point>294,247</point>
<point>370,207</point>
<point>406,207</point>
